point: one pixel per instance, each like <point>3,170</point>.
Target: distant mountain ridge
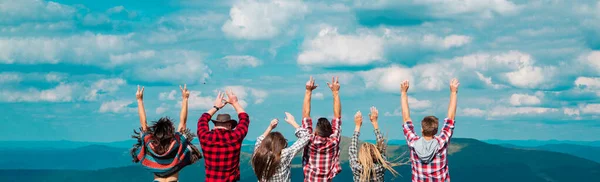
<point>470,160</point>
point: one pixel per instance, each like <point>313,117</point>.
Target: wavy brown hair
<point>267,156</point>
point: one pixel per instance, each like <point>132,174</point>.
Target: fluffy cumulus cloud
<point>472,112</point>
<point>331,48</point>
<point>60,93</point>
<point>174,66</point>
<point>167,95</point>
<point>33,10</point>
<point>524,99</point>
<point>415,105</point>
<point>588,84</point>
<point>116,106</point>
<point>366,46</point>
<point>254,19</point>
<point>199,100</point>
<point>104,86</point>
<point>247,94</point>
<point>87,48</point>
<point>386,79</point>
<point>235,62</point>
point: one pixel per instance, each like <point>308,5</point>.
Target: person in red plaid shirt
<point>221,146</point>
<point>428,154</point>
<point>321,159</point>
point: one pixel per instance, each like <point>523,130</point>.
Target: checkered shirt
<point>283,171</point>
<point>221,148</point>
<point>356,167</point>
<point>436,170</point>
<point>321,159</point>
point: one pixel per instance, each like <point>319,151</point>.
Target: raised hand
<point>454,85</point>
<point>289,118</point>
<point>139,94</point>
<point>231,97</point>
<point>373,115</point>
<point>404,86</point>
<point>185,93</point>
<point>274,123</point>
<point>310,84</point>
<point>220,101</point>
<point>335,84</point>
<point>358,119</point>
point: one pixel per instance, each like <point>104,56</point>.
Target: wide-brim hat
<point>225,118</point>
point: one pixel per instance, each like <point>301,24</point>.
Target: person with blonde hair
<point>370,161</point>
<point>272,156</point>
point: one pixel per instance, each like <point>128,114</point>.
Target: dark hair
<point>267,156</point>
<point>429,125</point>
<point>324,128</point>
<point>163,133</point>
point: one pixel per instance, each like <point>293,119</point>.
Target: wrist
<point>357,128</point>
<point>140,100</point>
<point>335,92</point>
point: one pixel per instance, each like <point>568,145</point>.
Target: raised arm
<point>404,101</point>
<point>373,116</point>
<point>242,129</point>
<point>453,96</point>
<point>335,89</point>
<point>185,94</point>
<point>353,150</point>
<point>203,121</point>
<point>139,95</point>
<point>301,133</point>
<point>270,128</point>
<point>306,120</point>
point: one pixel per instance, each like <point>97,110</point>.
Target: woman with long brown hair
<point>370,162</point>
<point>272,158</point>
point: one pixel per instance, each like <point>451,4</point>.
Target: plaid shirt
<point>357,169</point>
<point>321,159</point>
<point>283,170</point>
<point>221,148</point>
<point>436,170</point>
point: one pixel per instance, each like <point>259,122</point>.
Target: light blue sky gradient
<point>528,69</point>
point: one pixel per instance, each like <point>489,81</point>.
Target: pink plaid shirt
<point>437,169</point>
<point>321,159</point>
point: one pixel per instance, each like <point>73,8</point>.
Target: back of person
<point>227,151</point>
<point>428,154</point>
<point>322,158</point>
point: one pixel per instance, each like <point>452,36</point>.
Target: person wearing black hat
<point>222,145</point>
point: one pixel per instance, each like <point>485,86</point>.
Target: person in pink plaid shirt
<point>428,154</point>
<point>321,159</point>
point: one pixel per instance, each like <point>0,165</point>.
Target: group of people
<point>165,150</point>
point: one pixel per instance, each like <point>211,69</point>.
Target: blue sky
<point>528,69</point>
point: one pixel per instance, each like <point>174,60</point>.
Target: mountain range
<point>470,160</point>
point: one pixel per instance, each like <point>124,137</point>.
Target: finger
<point>138,88</point>
<point>180,88</point>
<point>337,80</point>
<point>185,86</point>
<point>142,89</point>
<point>328,84</point>
<point>310,80</point>
<point>333,79</point>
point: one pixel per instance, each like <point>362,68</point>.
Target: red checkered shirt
<point>321,159</point>
<point>221,148</point>
<point>437,169</point>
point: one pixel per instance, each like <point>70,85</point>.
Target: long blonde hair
<point>368,156</point>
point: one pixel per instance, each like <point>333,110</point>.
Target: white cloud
<point>571,111</point>
<point>529,76</point>
<point>524,99</point>
<point>163,108</point>
<point>444,8</point>
<point>588,84</point>
<point>448,42</point>
<point>246,94</point>
<point>197,101</point>
<point>167,95</point>
<point>511,111</point>
<point>387,79</point>
<point>104,86</point>
<point>318,96</point>
<point>593,59</point>
<point>333,49</point>
<point>34,10</point>
<point>116,106</point>
<point>60,93</point>
<point>252,19</point>
<point>174,66</point>
<point>590,109</point>
<point>10,77</point>
<point>116,9</point>
<point>473,112</point>
<point>54,77</point>
<point>235,62</point>
<point>118,59</point>
<point>87,48</point>
<point>488,81</point>
<point>414,105</point>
